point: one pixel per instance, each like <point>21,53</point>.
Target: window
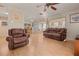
<point>56,24</point>
<point>63,24</point>
<point>44,26</point>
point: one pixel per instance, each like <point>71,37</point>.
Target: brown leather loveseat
<point>17,38</point>
<point>55,33</point>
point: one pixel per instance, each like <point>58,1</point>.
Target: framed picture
<point>4,23</point>
<point>74,18</point>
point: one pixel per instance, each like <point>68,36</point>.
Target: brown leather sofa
<point>55,33</point>
<point>17,38</point>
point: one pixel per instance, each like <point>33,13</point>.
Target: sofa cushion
<point>17,35</point>
<point>17,31</point>
<point>54,34</point>
<point>20,39</point>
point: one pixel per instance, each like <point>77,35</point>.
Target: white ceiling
<point>32,11</point>
<point>64,8</point>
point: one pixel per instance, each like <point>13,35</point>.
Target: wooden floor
<point>38,46</point>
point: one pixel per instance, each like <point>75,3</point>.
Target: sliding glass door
<point>38,27</point>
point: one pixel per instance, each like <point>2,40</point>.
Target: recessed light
<point>6,13</point>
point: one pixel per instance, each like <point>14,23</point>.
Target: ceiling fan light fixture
<point>6,13</point>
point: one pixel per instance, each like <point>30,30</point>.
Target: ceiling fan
<point>49,5</point>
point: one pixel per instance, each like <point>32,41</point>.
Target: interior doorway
<point>42,26</point>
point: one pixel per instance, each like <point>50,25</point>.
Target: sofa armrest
<point>10,42</point>
<point>61,32</point>
<point>27,35</point>
<point>9,38</point>
<point>44,31</point>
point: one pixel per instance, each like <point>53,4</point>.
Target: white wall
<point>72,28</point>
<point>13,21</point>
<point>16,22</point>
<point>3,29</point>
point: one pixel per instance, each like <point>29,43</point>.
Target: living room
<point>44,27</point>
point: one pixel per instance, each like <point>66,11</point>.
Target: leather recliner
<point>17,38</point>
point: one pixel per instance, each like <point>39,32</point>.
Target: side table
<point>76,46</point>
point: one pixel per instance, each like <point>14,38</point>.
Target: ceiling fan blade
<point>54,3</point>
<point>53,8</point>
<point>48,4</point>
